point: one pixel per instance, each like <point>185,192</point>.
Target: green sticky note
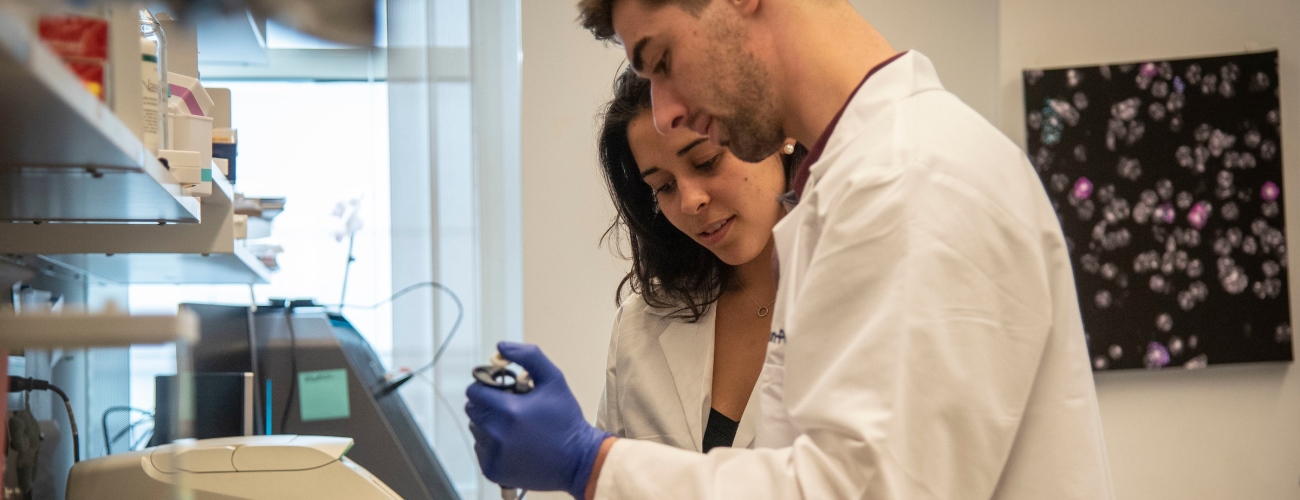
<point>323,395</point>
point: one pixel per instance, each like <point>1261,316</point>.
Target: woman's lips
<point>718,232</point>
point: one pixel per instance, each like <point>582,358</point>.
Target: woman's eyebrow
<point>649,172</point>
<point>688,147</point>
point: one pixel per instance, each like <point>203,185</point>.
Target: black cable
<point>130,427</point>
<point>460,315</point>
<point>19,384</point>
<point>293,368</point>
<point>108,444</point>
<point>72,422</point>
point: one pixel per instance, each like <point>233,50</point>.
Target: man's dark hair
<point>597,16</point>
<point>669,269</point>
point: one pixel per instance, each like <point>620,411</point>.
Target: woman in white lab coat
<point>689,341</point>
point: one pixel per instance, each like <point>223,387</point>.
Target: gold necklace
<point>763,310</point>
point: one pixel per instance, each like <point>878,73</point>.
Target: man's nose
<point>669,110</point>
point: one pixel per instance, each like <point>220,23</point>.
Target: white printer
<point>271,467</point>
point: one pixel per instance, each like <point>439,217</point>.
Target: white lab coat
<point>927,340</point>
<point>659,379</point>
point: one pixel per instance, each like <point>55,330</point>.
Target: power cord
<point>24,384</point>
<point>460,315</point>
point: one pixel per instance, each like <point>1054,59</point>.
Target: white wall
<point>569,280</point>
<point>1226,432</point>
<point>960,36</point>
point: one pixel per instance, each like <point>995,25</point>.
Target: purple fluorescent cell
<point>1269,192</point>
<point>1165,213</point>
<point>1082,188</point>
<point>1199,215</point>
<point>1179,86</point>
<point>1156,357</point>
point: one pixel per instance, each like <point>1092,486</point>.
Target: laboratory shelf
<point>64,156</point>
<point>104,329</point>
<point>135,253</point>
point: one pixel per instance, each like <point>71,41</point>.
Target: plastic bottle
<point>153,79</point>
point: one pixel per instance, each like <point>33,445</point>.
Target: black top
<point>721,431</point>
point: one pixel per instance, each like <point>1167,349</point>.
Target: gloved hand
<point>536,441</point>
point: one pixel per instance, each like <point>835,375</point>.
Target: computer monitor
<point>225,409</point>
<point>314,374</point>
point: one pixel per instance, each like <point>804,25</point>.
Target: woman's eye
<point>708,165</point>
<point>666,188</point>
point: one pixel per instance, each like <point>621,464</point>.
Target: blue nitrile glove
<point>535,441</point>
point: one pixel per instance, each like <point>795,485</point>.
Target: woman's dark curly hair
<point>669,269</point>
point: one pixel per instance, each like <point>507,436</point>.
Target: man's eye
<point>662,67</point>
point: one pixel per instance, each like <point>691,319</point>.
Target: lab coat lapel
<point>688,348</point>
<point>748,421</point>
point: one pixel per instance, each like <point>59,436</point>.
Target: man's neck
<point>823,52</point>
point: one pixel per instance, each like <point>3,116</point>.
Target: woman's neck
<point>756,276</point>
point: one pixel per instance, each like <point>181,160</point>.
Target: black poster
<point>1167,179</point>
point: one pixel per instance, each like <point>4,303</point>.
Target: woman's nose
<point>694,196</point>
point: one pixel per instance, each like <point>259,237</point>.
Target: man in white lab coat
<point>926,339</point>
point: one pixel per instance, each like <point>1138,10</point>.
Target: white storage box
<point>191,133</point>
